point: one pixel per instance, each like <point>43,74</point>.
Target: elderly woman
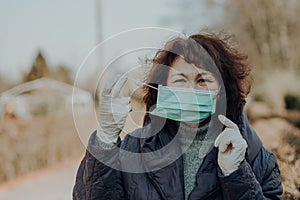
<point>196,141</point>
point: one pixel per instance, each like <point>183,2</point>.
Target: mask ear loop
<point>141,82</point>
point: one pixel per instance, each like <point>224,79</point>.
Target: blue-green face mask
<point>185,104</point>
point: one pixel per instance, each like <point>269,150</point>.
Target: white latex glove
<point>113,110</point>
<point>232,147</point>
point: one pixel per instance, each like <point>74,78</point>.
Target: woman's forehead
<point>181,66</point>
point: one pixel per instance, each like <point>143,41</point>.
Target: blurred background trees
<point>40,69</point>
<point>268,31</point>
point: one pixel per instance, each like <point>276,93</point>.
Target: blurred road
<point>55,183</point>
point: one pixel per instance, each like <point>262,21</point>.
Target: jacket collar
<point>173,187</point>
<point>253,141</point>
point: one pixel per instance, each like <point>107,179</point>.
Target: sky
<point>66,30</point>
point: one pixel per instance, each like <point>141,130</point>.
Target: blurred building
<point>42,97</point>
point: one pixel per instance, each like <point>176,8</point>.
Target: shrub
<point>292,101</point>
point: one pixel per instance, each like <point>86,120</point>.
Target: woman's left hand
<point>232,147</point>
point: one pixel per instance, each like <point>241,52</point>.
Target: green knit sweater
<point>196,146</point>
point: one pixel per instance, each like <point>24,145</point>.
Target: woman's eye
<point>179,81</point>
<point>205,81</point>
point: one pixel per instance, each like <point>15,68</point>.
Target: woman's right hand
<point>113,110</point>
<point>232,146</point>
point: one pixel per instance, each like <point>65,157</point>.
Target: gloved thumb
<point>227,122</point>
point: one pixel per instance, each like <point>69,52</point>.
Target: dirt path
<point>55,183</point>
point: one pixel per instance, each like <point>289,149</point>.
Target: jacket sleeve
<point>94,179</point>
<point>244,184</point>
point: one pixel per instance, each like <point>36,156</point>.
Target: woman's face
<point>185,75</point>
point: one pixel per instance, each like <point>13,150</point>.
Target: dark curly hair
<point>211,52</point>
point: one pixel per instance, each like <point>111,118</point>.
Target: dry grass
<point>283,138</point>
<point>28,145</point>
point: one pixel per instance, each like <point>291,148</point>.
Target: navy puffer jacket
<point>258,176</point>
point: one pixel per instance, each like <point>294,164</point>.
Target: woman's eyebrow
<point>201,74</point>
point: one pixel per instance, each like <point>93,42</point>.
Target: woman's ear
<point>219,94</point>
<point>218,97</point>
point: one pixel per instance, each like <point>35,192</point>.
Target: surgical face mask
<point>185,104</point>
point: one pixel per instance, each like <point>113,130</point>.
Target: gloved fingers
<point>218,139</point>
<point>114,110</point>
<point>224,145</point>
<point>121,113</point>
<point>113,87</point>
<point>228,137</point>
<point>118,86</point>
<point>236,135</point>
<point>109,86</point>
<point>227,122</point>
<point>108,102</point>
<point>111,102</point>
<point>239,143</point>
<point>120,104</point>
<point>223,140</point>
<point>236,139</point>
<point>123,101</point>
